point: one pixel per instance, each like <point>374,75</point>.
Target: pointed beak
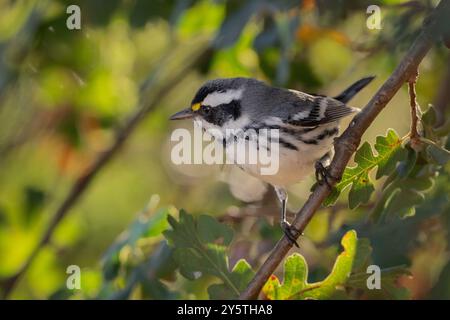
<point>183,114</point>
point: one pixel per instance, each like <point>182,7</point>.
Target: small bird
<point>307,125</point>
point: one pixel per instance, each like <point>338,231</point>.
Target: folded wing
<point>317,111</point>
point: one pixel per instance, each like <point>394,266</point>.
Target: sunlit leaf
<point>389,153</point>
<point>349,271</point>
<point>295,285</point>
<point>361,191</point>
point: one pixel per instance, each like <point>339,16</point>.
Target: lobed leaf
<point>348,272</point>
<point>389,153</point>
<point>295,285</point>
<point>388,282</point>
<point>241,275</point>
<point>200,246</point>
<point>405,189</point>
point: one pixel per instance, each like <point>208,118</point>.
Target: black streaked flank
<point>288,145</point>
<point>328,133</point>
<point>295,133</point>
<point>298,134</point>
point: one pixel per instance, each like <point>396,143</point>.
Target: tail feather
<point>350,92</point>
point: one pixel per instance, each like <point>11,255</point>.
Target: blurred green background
<point>65,93</point>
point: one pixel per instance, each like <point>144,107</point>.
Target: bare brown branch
<point>348,142</point>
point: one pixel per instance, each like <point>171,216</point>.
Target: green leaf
<point>361,190</point>
<point>157,290</point>
<point>388,282</point>
<point>295,279</point>
<point>210,230</point>
<point>333,196</point>
<point>142,227</point>
<point>405,167</point>
<point>295,285</point>
<point>438,154</point>
<point>429,117</point>
<point>428,121</point>
<point>148,274</point>
<point>363,255</point>
<point>403,202</point>
<point>349,271</point>
<point>34,201</point>
<point>405,189</point>
<point>389,153</point>
<point>340,272</point>
<point>200,246</point>
<point>241,275</point>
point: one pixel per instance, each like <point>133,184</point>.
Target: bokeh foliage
<point>65,93</point>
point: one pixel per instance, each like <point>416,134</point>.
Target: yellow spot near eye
<point>196,106</point>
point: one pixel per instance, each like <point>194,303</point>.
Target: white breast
<point>294,165</point>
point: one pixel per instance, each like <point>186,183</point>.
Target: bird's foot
<point>323,174</point>
<point>290,232</point>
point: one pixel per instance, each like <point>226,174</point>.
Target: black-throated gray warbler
<point>307,125</point>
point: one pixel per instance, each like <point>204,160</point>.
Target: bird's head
<point>217,103</point>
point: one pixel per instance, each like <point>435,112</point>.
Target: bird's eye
<point>206,110</point>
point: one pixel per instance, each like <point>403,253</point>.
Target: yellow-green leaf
<point>389,153</point>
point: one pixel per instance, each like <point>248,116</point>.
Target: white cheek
<point>209,131</point>
<point>240,123</point>
<point>201,123</point>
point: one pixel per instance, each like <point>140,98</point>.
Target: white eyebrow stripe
<point>215,99</point>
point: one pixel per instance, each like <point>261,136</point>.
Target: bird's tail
<point>350,92</point>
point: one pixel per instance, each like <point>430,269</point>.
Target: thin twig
<point>86,178</point>
<point>348,142</point>
<point>413,133</point>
